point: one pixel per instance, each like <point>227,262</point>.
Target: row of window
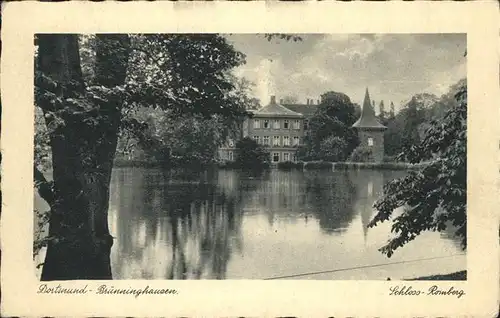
<point>265,124</point>
<point>277,140</point>
<point>275,156</point>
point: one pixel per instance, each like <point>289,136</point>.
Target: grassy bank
<point>375,166</point>
<point>137,163</point>
<point>318,165</point>
<point>462,275</point>
<point>288,165</point>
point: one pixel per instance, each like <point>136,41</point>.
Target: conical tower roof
<point>368,118</point>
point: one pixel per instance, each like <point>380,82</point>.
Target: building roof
<point>276,110</point>
<point>304,109</point>
<point>368,118</point>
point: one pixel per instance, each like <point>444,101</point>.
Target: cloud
<point>393,66</point>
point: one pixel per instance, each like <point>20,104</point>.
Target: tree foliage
<point>333,118</point>
<point>185,73</point>
<point>249,154</point>
<point>333,149</point>
<point>93,90</point>
<point>434,197</point>
<point>361,154</point>
<point>412,120</point>
<point>188,140</point>
<point>283,36</point>
<point>90,89</point>
<point>41,142</point>
<point>408,126</point>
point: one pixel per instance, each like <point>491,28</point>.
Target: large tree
<point>173,139</point>
<point>84,113</point>
<point>408,126</point>
<point>83,123</point>
<point>333,118</point>
<point>434,197</point>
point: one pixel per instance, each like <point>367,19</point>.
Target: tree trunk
<point>83,135</point>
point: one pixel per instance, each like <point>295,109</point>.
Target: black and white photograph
<point>249,159</point>
<point>264,156</point>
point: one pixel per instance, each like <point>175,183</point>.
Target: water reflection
<point>173,228</point>
<point>233,224</point>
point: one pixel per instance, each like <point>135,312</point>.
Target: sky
<point>393,67</point>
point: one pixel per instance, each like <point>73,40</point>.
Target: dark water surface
<point>230,224</point>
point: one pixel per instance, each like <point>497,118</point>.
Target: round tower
<point>370,130</point>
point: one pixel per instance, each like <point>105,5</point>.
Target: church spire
<point>367,118</point>
<point>367,101</point>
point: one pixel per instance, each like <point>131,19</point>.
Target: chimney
<point>281,100</point>
<point>318,102</point>
<point>308,101</point>
<point>273,99</point>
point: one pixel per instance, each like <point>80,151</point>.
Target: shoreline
<point>306,165</point>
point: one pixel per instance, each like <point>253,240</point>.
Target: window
<point>296,124</point>
<point>286,156</point>
<point>230,156</point>
<point>266,123</point>
<point>286,141</point>
<point>266,140</point>
<point>286,124</point>
<point>257,139</point>
<point>276,157</point>
<point>296,141</point>
<point>276,124</point>
<point>306,124</point>
<point>256,123</point>
<point>370,142</point>
<point>276,140</point>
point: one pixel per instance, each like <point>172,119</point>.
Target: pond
<point>228,224</point>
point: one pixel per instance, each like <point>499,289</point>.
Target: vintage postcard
<point>250,159</point>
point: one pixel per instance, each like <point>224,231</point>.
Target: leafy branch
<point>435,196</point>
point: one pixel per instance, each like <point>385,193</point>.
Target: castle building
<point>307,110</point>
<point>276,127</point>
<point>370,130</point>
<point>281,129</point>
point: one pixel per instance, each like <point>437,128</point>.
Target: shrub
<point>361,154</point>
<point>318,165</point>
<point>333,148</point>
<point>287,165</point>
<point>249,154</point>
